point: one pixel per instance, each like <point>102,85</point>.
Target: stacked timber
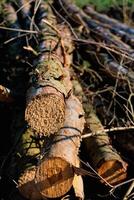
<point>49,146</point>
<point>106,161</point>
<point>65,107</point>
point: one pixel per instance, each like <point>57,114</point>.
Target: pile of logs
<point>78,89</point>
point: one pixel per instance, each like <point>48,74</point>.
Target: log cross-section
<point>106,161</point>
<point>55,174</point>
<point>50,84</point>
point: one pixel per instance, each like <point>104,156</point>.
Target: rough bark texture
<point>105,159</point>
<point>114,26</point>
<point>24,161</point>
<point>45,111</point>
<point>109,21</point>
<point>55,173</point>
<point>95,29</point>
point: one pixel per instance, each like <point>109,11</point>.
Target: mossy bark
<point>24,162</point>
<point>50,85</point>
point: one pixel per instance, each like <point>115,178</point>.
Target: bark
<point>114,26</point>
<point>44,166</point>
<point>24,161</point>
<point>5,95</point>
<point>78,185</point>
<point>109,21</point>
<point>55,173</point>
<point>116,70</point>
<point>105,159</point>
<point>11,21</point>
<point>94,28</point>
<point>50,85</point>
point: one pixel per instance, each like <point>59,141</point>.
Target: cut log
<point>124,140</point>
<point>50,84</point>
<point>55,174</point>
<point>5,95</point>
<point>105,159</point>
<point>28,149</point>
<point>27,185</point>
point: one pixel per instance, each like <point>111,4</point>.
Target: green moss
<point>103,4</point>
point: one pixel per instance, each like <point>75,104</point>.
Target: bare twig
<point>121,184</point>
<point>129,191</point>
<point>18,30</point>
<point>95,172</point>
<point>108,130</point>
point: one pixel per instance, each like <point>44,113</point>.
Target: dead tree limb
<point>102,20</point>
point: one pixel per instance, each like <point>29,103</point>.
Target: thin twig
<point>68,24</point>
<point>118,51</point>
<point>18,30</point>
<point>88,165</point>
<point>129,191</point>
<point>23,6</point>
<point>14,38</point>
<point>121,184</point>
<point>107,131</point>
